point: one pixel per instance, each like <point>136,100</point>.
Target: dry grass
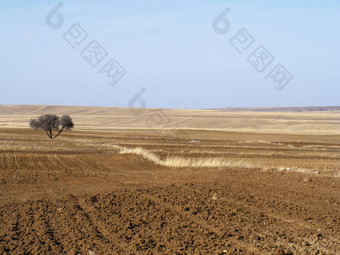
<point>141,152</point>
<point>175,161</point>
<point>181,162</point>
<point>212,162</point>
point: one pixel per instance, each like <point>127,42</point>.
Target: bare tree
<point>66,123</point>
<point>51,122</point>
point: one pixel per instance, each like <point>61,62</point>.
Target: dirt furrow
<point>93,218</point>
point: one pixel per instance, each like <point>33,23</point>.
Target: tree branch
<point>47,133</point>
<point>61,130</point>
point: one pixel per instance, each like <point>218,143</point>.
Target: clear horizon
<point>173,53</point>
<point>219,108</point>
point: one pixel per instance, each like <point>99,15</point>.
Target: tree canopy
<point>52,123</point>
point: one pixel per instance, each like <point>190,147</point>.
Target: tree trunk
<point>61,130</point>
<point>48,134</point>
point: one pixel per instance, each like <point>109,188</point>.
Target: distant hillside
<point>282,109</point>
<point>263,120</point>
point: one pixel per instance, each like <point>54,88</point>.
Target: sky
<point>170,54</point>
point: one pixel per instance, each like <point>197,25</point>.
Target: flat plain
<point>151,181</point>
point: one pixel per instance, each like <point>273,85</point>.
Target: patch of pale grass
<point>192,162</point>
<point>181,162</point>
<point>211,162</point>
<point>141,152</point>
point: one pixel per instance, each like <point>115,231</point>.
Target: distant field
<point>105,118</point>
<point>284,109</point>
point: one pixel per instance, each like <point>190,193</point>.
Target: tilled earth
<point>80,196</point>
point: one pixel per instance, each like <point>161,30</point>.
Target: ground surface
<point>79,195</point>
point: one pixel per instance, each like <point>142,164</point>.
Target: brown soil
<point>78,195</point>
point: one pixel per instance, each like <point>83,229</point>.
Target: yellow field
<point>105,118</point>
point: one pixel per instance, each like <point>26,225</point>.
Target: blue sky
<point>170,49</point>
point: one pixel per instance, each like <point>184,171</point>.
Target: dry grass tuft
<point>141,152</point>
<point>181,162</point>
<point>211,162</point>
<point>192,162</point>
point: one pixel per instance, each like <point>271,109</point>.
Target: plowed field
<point>80,195</point>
